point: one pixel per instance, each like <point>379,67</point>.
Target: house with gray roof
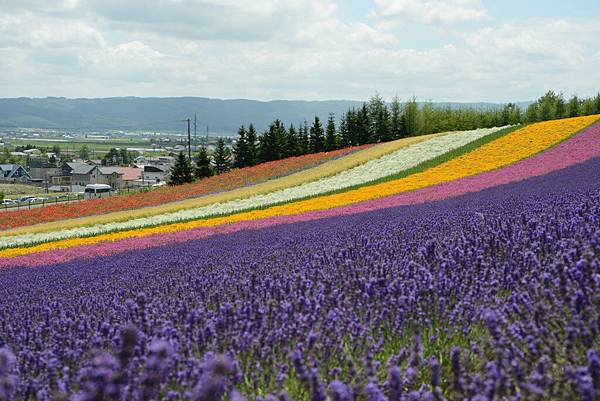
<point>13,173</point>
<point>78,175</point>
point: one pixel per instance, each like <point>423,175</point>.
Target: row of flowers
<point>577,150</point>
<point>516,146</point>
<point>398,161</point>
<point>230,189</point>
<point>233,179</point>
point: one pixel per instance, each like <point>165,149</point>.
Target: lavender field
<point>493,295</point>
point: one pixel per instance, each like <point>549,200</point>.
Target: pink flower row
<point>578,149</point>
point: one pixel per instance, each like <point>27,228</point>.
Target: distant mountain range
<point>166,114</point>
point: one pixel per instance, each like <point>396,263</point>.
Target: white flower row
<point>391,164</point>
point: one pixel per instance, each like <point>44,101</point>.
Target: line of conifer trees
<point>376,121</point>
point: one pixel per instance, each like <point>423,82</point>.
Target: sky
<point>439,50</point>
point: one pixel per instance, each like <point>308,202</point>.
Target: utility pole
<point>195,133</point>
<point>189,139</point>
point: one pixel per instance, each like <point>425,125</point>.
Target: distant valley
<point>222,117</point>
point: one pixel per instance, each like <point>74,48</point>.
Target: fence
<point>50,201</point>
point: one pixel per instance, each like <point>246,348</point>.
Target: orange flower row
<point>233,179</point>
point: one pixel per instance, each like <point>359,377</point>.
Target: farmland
<point>460,265</point>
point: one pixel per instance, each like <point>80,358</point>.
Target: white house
<point>155,174</point>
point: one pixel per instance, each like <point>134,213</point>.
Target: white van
<point>97,191</point>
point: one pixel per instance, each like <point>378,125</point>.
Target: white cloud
<point>29,30</point>
<point>285,49</point>
<point>432,11</point>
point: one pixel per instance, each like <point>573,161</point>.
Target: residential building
<point>13,173</point>
<point>155,174</point>
<point>78,175</point>
<point>42,169</point>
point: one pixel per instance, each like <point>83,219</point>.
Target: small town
<point>43,167</point>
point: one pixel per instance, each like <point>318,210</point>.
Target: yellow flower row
<point>327,169</point>
<point>506,150</point>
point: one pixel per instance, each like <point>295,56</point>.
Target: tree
<point>352,127</point>
<point>573,107</point>
<point>331,138</point>
<point>317,137</point>
<point>181,172</point>
<point>379,124</point>
<point>597,103</point>
<point>84,152</point>
<point>344,132</point>
<point>5,155</point>
<point>293,142</point>
<point>252,143</point>
<point>240,150</point>
<point>396,119</point>
<point>112,158</point>
<point>222,157</point>
<point>411,110</point>
<point>547,105</point>
<point>203,168</point>
<point>272,142</point>
<point>532,112</point>
<point>303,139</point>
<point>126,157</point>
<point>56,150</point>
<point>363,125</point>
<point>52,161</point>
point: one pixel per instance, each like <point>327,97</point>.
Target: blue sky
<point>442,50</point>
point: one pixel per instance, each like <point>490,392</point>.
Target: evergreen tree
<point>293,143</point>
<point>252,145</point>
<point>353,127</point>
<point>181,172</point>
<point>379,121</point>
<point>597,103</point>
<point>587,107</point>
<point>396,119</point>
<point>344,133</point>
<point>573,107</point>
<point>203,168</point>
<point>560,108</point>
<point>363,125</point>
<point>56,150</point>
<point>317,137</point>
<point>303,139</point>
<point>532,112</point>
<point>547,105</point>
<point>411,111</point>
<point>403,126</point>
<point>272,142</point>
<point>240,150</point>
<point>331,138</point>
<point>222,157</point>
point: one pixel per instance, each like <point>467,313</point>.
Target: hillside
<point>443,266</point>
<point>133,113</point>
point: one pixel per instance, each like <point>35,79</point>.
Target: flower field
<point>228,181</point>
<point>460,266</point>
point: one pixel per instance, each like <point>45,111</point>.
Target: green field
<point>76,145</point>
<point>94,146</point>
<point>12,191</point>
